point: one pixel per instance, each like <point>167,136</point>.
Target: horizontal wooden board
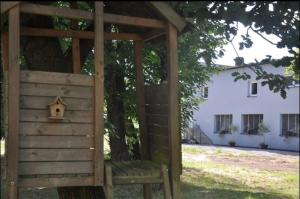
<point>35,128</point>
<point>30,115</point>
<point>35,168</point>
<point>56,182</point>
<point>37,102</point>
<point>53,90</point>
<point>153,119</point>
<point>157,109</point>
<point>56,78</point>
<point>28,155</point>
<point>53,142</point>
<point>156,94</point>
<point>158,130</point>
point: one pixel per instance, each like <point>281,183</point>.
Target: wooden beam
<point>99,94</point>
<point>5,49</point>
<point>133,21</point>
<point>43,32</point>
<point>169,14</point>
<point>6,5</point>
<point>75,43</point>
<point>173,112</point>
<point>140,96</point>
<point>152,34</point>
<point>76,55</point>
<point>13,106</point>
<point>80,14</point>
<point>38,9</point>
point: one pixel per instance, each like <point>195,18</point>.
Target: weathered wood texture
<point>99,94</point>
<point>169,14</point>
<point>4,50</point>
<point>44,32</point>
<point>56,181</point>
<point>173,111</point>
<point>51,147</point>
<point>156,109</point>
<point>6,5</point>
<point>136,172</point>
<point>13,102</point>
<point>80,14</point>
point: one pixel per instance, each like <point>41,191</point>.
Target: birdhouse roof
<point>57,99</point>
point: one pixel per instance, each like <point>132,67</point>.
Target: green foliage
<point>210,26</point>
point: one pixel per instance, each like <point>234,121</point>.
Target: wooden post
<point>140,95</point>
<point>76,55</point>
<point>99,94</point>
<point>13,106</point>
<point>173,110</point>
<point>75,43</point>
<point>108,182</point>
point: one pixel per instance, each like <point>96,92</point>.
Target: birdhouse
<point>57,109</point>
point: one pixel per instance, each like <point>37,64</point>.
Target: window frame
<point>250,88</point>
<point>260,119</point>
<point>220,117</point>
<point>287,133</point>
<point>203,92</point>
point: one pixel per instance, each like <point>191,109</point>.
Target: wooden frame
<point>80,14</point>
<point>99,94</point>
<point>173,112</point>
<point>44,32</point>
<point>171,106</point>
<point>13,105</point>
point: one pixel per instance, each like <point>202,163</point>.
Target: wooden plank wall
<point>156,105</point>
<point>56,153</point>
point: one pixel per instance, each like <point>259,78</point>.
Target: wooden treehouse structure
<point>55,120</point>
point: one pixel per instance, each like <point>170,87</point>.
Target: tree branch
<point>262,36</point>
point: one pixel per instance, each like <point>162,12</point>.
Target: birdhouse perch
<point>57,109</point>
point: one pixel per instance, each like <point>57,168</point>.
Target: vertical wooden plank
<point>75,43</point>
<point>4,47</point>
<point>173,112</point>
<point>99,93</point>
<point>140,96</point>
<point>76,55</point>
<point>167,191</point>
<point>13,106</point>
<point>108,182</point>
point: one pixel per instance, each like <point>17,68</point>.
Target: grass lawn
<point>216,173</point>
<point>208,177</point>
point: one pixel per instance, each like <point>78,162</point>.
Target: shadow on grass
<point>201,185</point>
<point>192,191</point>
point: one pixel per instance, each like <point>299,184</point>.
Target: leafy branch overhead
<point>279,18</point>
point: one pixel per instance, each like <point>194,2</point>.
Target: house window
<point>290,125</point>
<point>204,92</point>
<point>251,122</point>
<point>223,123</point>
<point>253,89</point>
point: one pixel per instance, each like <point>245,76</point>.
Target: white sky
<point>259,49</point>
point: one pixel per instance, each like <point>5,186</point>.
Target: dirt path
<point>268,160</point>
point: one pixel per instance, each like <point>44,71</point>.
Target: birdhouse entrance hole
<point>57,109</point>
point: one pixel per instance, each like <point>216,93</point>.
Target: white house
<point>244,104</point>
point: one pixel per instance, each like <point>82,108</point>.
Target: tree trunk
<point>115,113</point>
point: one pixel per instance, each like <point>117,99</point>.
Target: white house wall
<point>228,97</point>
